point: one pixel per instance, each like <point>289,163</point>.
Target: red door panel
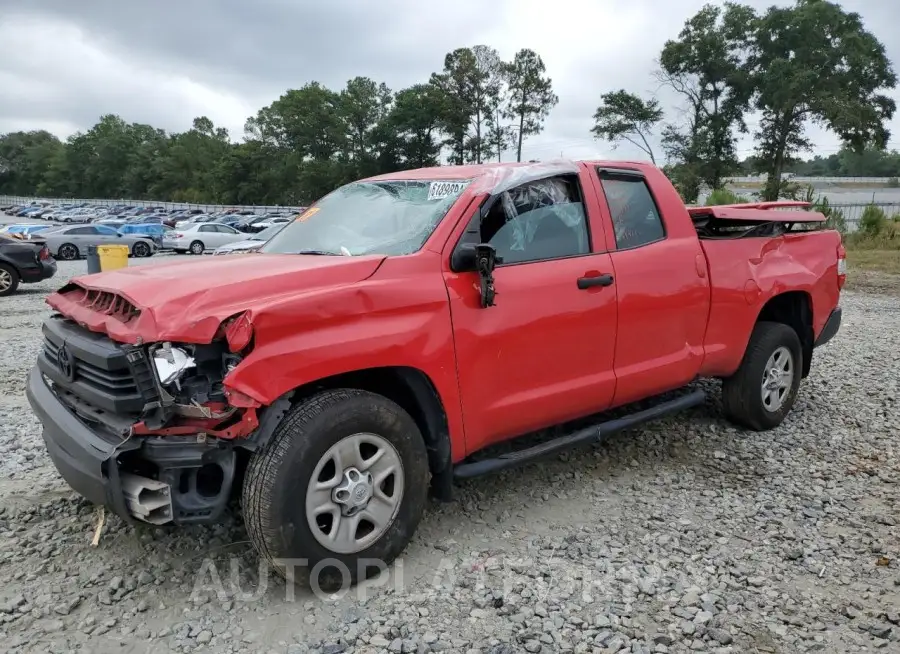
<point>542,355</point>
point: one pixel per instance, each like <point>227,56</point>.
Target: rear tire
<point>197,247</point>
<point>322,441</point>
<point>9,280</point>
<point>762,391</point>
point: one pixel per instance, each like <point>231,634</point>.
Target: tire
<point>9,280</point>
<point>140,249</point>
<point>743,393</point>
<point>68,252</point>
<point>278,479</point>
<point>197,247</point>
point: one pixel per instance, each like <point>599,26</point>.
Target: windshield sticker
<point>441,190</point>
<point>309,213</point>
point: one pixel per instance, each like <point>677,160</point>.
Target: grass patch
<point>887,261</point>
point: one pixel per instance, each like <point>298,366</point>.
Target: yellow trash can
<point>112,257</point>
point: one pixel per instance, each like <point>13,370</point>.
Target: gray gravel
<point>685,536</point>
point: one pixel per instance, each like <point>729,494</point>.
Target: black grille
<point>96,369</point>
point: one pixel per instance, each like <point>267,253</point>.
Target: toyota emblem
<point>66,363</point>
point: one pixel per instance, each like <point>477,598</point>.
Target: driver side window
<point>538,221</point>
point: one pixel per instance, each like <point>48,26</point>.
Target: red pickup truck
<point>379,343</point>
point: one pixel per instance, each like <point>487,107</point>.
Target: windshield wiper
<point>322,253</point>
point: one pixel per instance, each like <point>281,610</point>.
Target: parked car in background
<point>70,243</point>
<point>193,220</point>
<point>199,237</point>
<point>24,230</point>
<point>154,231</point>
<point>23,262</point>
<point>251,244</point>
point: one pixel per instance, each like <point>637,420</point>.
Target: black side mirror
<point>481,258</point>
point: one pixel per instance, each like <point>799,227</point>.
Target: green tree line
<point>812,62</point>
<point>301,146</point>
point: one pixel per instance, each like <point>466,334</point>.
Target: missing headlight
<point>171,363</point>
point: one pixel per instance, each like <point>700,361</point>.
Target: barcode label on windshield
<point>441,190</point>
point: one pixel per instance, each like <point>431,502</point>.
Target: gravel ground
<point>687,535</point>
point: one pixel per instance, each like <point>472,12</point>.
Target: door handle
<point>599,280</point>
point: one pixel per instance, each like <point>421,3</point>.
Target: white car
<point>199,237</point>
<point>200,218</point>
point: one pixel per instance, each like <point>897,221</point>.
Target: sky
<point>63,63</point>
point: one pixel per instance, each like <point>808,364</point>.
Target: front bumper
<point>831,328</point>
<point>130,475</point>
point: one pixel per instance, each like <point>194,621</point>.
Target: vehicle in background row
<point>379,343</point>
<point>23,262</point>
<point>155,231</point>
<point>198,237</point>
<point>252,243</point>
<point>69,243</point>
<point>194,220</point>
<point>268,222</point>
<point>25,230</point>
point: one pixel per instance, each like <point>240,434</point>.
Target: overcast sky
<point>63,63</point>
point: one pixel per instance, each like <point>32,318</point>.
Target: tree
<point>25,158</point>
<point>472,83</point>
<point>816,62</point>
<point>531,96</point>
<point>416,117</point>
<point>625,116</point>
<point>707,66</point>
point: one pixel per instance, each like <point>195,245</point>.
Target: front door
<point>545,352</point>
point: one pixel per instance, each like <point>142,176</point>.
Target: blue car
<point>154,230</point>
<point>23,229</point>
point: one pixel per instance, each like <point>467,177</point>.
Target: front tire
<point>342,481</point>
<point>762,391</point>
<point>68,252</point>
<point>140,250</point>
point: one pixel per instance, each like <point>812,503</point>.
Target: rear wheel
<point>9,279</point>
<point>68,252</point>
<point>197,247</point>
<point>763,390</point>
<point>341,485</point>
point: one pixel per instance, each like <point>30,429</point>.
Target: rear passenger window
<point>635,216</point>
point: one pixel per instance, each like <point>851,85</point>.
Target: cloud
<point>63,63</point>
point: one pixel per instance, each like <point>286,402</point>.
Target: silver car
<point>200,237</point>
<point>253,242</point>
<point>68,243</point>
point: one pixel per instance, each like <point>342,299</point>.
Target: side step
<point>594,432</point>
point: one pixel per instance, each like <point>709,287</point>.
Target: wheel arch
<point>410,388</point>
<point>794,309</point>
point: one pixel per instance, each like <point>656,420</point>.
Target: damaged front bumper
<point>158,480</point>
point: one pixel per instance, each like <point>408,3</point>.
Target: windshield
<point>391,217</point>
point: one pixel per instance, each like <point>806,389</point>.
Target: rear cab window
<point>635,215</point>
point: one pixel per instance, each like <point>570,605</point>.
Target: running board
<point>592,433</point>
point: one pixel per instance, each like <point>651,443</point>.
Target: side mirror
<point>481,258</point>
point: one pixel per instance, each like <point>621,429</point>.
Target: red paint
<point>546,352</point>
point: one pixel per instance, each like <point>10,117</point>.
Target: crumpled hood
<point>188,300</point>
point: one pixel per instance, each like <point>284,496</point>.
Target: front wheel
<point>763,390</point>
<point>68,252</point>
<point>338,490</point>
<point>140,249</point>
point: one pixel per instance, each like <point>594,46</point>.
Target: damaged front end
<point>149,430</point>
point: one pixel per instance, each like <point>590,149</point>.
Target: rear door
<point>544,353</point>
<point>210,236</point>
<point>661,283</point>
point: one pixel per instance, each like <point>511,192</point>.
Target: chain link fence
<point>22,200</point>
